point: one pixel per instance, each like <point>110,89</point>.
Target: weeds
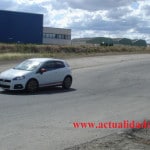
<point>19,51</point>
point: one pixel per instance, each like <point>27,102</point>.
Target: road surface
<point>110,88</point>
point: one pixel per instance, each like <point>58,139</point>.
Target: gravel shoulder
<point>135,139</point>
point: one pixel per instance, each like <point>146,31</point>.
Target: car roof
<point>45,59</point>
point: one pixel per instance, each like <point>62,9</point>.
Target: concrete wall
<point>56,36</point>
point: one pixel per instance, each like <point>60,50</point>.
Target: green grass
<point>23,51</point>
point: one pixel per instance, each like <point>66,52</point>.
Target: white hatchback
<point>37,72</point>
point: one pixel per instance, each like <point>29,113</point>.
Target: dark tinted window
<point>59,64</point>
<point>50,65</point>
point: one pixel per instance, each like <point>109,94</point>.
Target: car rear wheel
<point>67,82</point>
<point>32,86</point>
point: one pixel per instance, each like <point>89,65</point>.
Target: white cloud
<point>115,18</point>
<point>94,5</point>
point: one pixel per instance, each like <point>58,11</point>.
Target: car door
<point>49,77</point>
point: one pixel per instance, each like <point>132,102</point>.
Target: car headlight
<point>19,78</point>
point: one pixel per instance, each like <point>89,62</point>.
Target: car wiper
<point>18,69</point>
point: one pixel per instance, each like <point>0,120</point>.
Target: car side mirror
<point>42,70</point>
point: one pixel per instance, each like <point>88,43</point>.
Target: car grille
<point>5,80</point>
<point>5,83</point>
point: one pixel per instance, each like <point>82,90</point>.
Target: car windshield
<point>28,65</point>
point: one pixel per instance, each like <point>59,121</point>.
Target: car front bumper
<point>7,84</point>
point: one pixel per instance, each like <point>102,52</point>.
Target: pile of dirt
<point>135,139</point>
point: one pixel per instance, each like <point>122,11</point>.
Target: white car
<point>37,72</point>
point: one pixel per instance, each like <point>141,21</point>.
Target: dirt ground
<point>135,139</point>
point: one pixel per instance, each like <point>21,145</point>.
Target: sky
<point>91,18</point>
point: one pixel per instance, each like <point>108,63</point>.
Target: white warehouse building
<point>56,36</point>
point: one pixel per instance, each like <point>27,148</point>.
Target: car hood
<point>12,73</point>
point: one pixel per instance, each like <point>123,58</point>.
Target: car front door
<point>49,76</point>
<point>61,71</point>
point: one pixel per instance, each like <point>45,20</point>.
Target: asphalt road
<point>111,88</point>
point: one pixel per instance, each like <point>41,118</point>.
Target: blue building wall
<point>18,27</point>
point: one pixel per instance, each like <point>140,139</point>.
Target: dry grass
<point>21,51</point>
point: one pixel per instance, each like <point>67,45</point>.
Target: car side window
<point>59,64</point>
<point>50,65</point>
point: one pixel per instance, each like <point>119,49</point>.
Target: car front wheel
<point>67,82</point>
<point>32,85</point>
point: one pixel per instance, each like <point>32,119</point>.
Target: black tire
<point>32,86</point>
<point>67,82</point>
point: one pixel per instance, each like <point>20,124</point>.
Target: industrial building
<point>19,27</point>
<point>95,41</point>
<point>80,41</point>
<point>56,36</point>
<point>104,41</point>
